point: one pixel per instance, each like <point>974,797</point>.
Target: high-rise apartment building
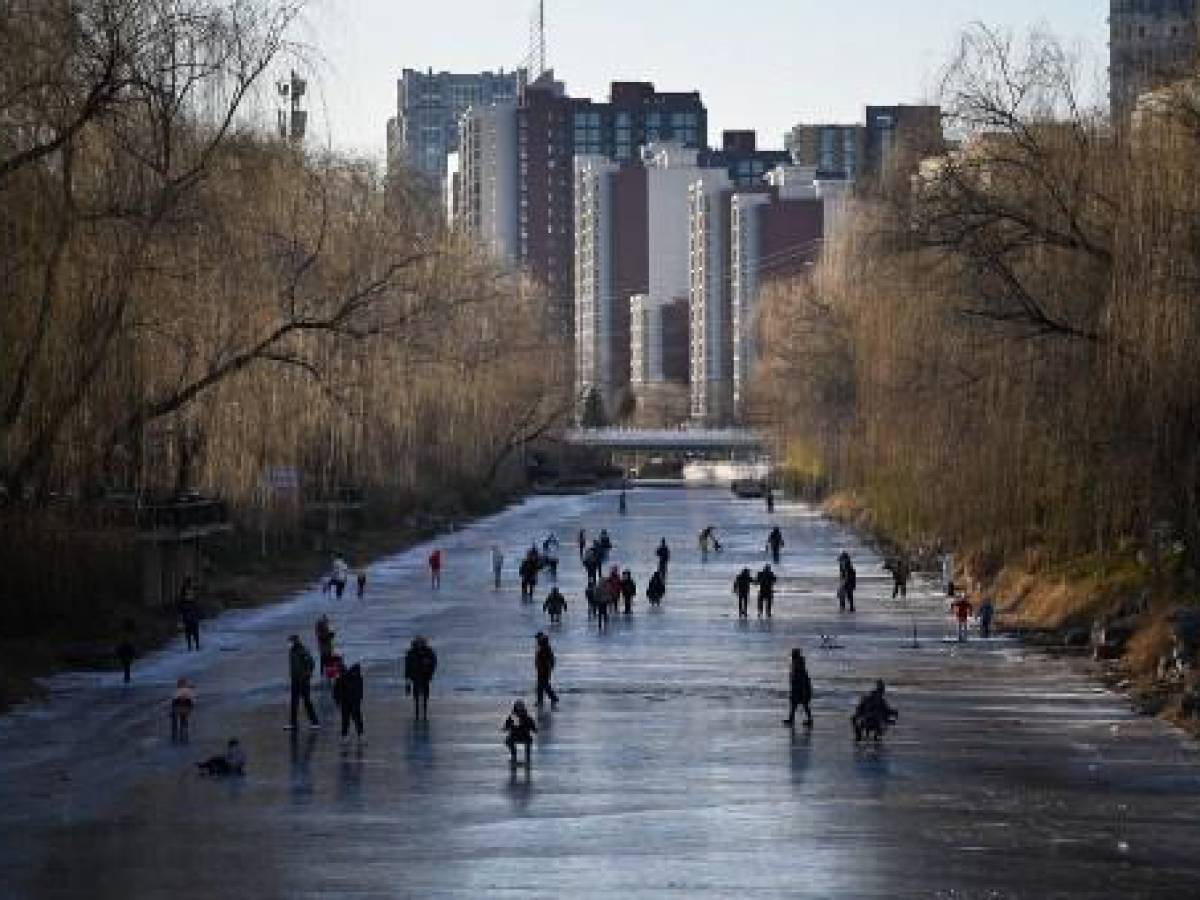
<point>552,128</point>
<point>1151,44</point>
<point>710,356</point>
<point>429,106</point>
<point>658,342</point>
<point>774,234</point>
<point>632,232</point>
<point>834,151</point>
<point>598,356</point>
<point>486,196</point>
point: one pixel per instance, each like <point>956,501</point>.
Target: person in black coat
<point>766,589</point>
<point>741,587</point>
<point>628,590</point>
<point>847,582</point>
<point>800,693</point>
<point>656,589</point>
<point>348,695</point>
<point>528,571</point>
<point>873,714</point>
<point>189,614</point>
<point>419,665</point>
<point>775,544</point>
<point>664,557</point>
<point>543,666</point>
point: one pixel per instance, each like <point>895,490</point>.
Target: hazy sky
<point>762,64</point>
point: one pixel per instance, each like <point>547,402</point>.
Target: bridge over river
<point>648,441</point>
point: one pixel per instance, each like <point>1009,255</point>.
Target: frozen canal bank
<point>665,769</point>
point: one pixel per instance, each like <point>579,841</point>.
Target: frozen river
<point>665,770</point>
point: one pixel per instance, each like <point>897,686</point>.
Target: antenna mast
<point>536,58</point>
<point>541,37</point>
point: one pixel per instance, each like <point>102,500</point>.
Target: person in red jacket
<point>435,569</point>
<point>962,610</point>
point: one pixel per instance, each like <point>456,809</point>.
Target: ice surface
<point>665,771</point>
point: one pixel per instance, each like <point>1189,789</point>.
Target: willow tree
<point>1002,341</point>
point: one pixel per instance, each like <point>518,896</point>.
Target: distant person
<point>582,543</point>
<point>948,573</point>
<point>497,565</point>
<point>528,570</point>
<point>741,589</point>
<point>873,714</point>
<point>622,504</point>
<point>549,558</point>
<point>847,582</point>
<point>543,667</point>
<point>554,606</point>
<point>519,728</point>
<point>800,690</point>
<point>300,671</point>
<point>189,614</point>
<point>775,544</point>
<point>324,634</point>
<point>338,576</point>
<point>362,583</point>
<point>766,580</point>
<point>664,557</point>
<point>601,601</point>
<point>420,664</point>
<point>708,542</point>
<point>961,609</point>
<point>232,762</point>
<point>348,695</point>
<point>125,651</point>
<point>435,569</point>
<point>770,501</point>
<point>901,572</point>
<point>182,703</point>
<point>613,591</point>
<point>656,589</point>
<point>628,590</point>
<point>604,542</point>
<point>987,612</point>
<point>591,564</point>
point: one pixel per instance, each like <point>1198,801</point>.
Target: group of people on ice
<point>606,595</point>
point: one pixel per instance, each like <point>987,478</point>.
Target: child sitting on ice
<point>520,729</point>
<point>232,763</point>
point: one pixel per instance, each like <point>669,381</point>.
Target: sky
<point>761,64</point>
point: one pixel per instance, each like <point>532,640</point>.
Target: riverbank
<point>242,581</point>
<point>1141,634</point>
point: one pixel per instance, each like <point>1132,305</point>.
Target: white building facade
<point>709,314</point>
<point>594,295</point>
<point>487,179</point>
<point>744,240</point>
